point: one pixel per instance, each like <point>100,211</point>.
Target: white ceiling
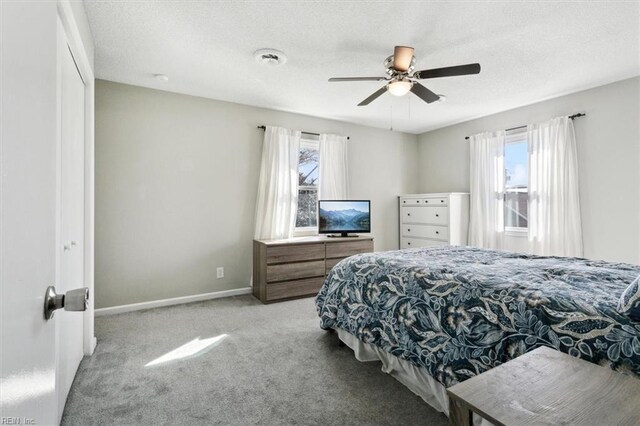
<point>529,51</point>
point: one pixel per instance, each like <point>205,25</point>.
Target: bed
<point>438,316</point>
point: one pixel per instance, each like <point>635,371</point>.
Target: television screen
<point>344,216</point>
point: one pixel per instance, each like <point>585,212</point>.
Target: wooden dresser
<point>434,219</point>
<point>288,269</point>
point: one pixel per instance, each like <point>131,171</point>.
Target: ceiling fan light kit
<point>399,87</point>
<point>401,78</point>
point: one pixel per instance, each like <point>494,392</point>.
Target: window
<point>307,216</point>
<point>516,173</point>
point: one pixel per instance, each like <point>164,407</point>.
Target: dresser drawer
<point>427,215</point>
<point>426,231</point>
<point>421,242</point>
<point>408,202</point>
<point>309,286</point>
<point>293,271</point>
<point>294,253</point>
<point>348,248</point>
<point>435,202</point>
<point>330,263</point>
<point>431,201</point>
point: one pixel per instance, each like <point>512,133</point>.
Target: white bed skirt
<point>415,378</point>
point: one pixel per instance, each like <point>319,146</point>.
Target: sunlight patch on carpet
<point>192,349</point>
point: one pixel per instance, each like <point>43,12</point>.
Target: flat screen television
<point>344,216</point>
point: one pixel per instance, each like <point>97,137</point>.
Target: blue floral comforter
<point>459,311</point>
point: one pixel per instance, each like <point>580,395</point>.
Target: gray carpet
<point>275,367</point>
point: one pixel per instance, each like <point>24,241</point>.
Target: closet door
<point>71,219</point>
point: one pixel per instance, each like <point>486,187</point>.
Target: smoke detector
<point>270,57</point>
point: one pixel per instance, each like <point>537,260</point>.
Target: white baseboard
<point>92,346</point>
<point>173,301</point>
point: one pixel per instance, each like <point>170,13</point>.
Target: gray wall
<point>176,182</point>
<point>608,155</point>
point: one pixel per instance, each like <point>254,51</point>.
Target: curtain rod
<point>306,133</point>
<point>574,116</point>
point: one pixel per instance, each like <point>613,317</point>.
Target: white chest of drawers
<point>434,219</point>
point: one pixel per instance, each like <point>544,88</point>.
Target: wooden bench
<point>547,387</point>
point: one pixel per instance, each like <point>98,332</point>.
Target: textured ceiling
<point>529,51</point>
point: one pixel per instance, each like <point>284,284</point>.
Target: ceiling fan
<point>401,78</point>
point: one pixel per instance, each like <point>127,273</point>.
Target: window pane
<point>516,172</point>
<point>516,210</point>
<point>307,208</point>
<point>308,167</point>
<point>516,164</point>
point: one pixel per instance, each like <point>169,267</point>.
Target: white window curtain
<point>555,226</point>
<point>486,221</point>
<point>333,174</point>
<point>277,200</point>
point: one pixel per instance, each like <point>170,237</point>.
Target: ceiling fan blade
<point>448,71</point>
<point>335,79</point>
<point>373,97</point>
<point>423,93</point>
<point>402,56</point>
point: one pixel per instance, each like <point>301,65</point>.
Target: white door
<point>71,213</point>
<point>34,349</point>
<point>28,210</point>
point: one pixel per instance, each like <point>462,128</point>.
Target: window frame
<point>512,137</point>
<point>308,142</point>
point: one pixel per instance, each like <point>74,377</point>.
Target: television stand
<point>296,267</point>
<point>343,235</point>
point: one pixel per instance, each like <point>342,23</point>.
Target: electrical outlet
<point>220,272</point>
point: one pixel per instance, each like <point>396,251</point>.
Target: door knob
<point>73,300</point>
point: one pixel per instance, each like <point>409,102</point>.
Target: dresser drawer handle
<point>408,229</point>
<point>437,215</point>
<point>426,201</point>
<point>442,201</point>
<point>408,244</point>
<point>404,202</point>
<point>437,232</point>
<point>408,214</point>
